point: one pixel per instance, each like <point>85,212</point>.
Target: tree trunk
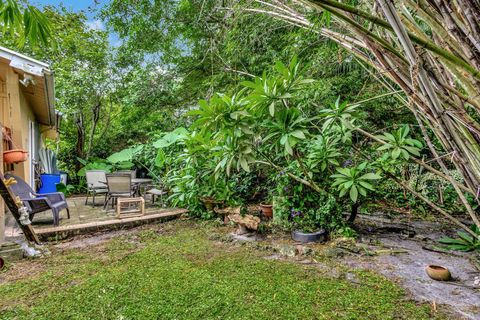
<point>95,116</point>
<point>79,146</point>
<point>354,212</point>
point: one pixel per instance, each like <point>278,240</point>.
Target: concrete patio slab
<point>85,218</point>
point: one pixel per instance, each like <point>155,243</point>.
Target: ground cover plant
<point>175,271</point>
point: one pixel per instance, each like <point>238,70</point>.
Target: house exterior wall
<point>3,114</point>
<point>15,114</point>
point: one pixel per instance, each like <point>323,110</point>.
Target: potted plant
<point>210,202</point>
<point>213,195</point>
<point>15,156</point>
<point>267,208</point>
<point>50,175</point>
<point>306,227</point>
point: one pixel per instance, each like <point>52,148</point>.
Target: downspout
<point>50,95</point>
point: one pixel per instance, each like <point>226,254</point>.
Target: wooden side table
<point>130,207</point>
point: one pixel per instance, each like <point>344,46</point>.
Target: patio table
<point>141,180</point>
<point>137,183</point>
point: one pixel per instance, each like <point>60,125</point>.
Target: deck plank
<point>65,231</point>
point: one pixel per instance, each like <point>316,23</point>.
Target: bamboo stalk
<point>380,22</point>
<point>433,206</point>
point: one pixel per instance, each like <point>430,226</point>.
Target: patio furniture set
<point>119,185</point>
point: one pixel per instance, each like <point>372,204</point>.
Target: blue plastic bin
<point>49,183</point>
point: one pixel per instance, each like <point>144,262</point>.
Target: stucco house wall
<point>24,108</point>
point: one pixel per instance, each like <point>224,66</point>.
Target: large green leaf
<point>171,138</point>
<point>126,155</point>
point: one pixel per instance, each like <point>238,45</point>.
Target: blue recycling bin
<point>49,183</point>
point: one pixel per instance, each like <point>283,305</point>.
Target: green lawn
<point>176,272</point>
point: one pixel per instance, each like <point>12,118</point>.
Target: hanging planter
<point>15,156</point>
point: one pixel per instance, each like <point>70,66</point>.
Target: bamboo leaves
<point>27,23</point>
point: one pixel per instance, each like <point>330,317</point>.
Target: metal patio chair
<point>95,184</point>
<point>133,173</point>
<point>119,186</point>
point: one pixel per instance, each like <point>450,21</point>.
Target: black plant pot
<point>317,236</point>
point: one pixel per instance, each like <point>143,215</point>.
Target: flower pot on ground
<point>438,273</point>
<point>210,203</point>
<point>304,237</point>
<point>267,210</point>
<point>15,156</point>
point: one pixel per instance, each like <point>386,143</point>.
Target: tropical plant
<point>48,160</point>
<point>326,214</point>
<point>94,164</point>
<point>340,114</point>
<point>67,190</point>
<point>271,91</point>
<point>464,242</point>
<point>323,152</point>
<point>287,129</point>
<point>401,41</point>
<point>354,181</point>
<point>399,144</point>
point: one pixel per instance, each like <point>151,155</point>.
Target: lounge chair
<point>36,203</point>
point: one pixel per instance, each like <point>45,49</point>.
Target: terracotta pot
<point>438,273</point>
<point>267,210</point>
<point>210,203</point>
<point>15,156</point>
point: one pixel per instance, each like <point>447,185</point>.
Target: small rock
<point>303,251</point>
<point>272,257</point>
<point>352,278</point>
<point>30,252</point>
<point>334,252</point>
<point>247,237</point>
<point>287,250</point>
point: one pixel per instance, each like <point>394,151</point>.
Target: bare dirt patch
<point>395,249</point>
<point>408,269</point>
<point>21,270</point>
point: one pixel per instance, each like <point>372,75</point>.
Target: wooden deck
<point>86,219</point>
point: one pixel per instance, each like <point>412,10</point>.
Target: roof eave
<point>37,68</point>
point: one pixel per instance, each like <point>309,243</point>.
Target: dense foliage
<point>234,103</point>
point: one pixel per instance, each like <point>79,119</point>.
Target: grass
<point>177,272</point>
